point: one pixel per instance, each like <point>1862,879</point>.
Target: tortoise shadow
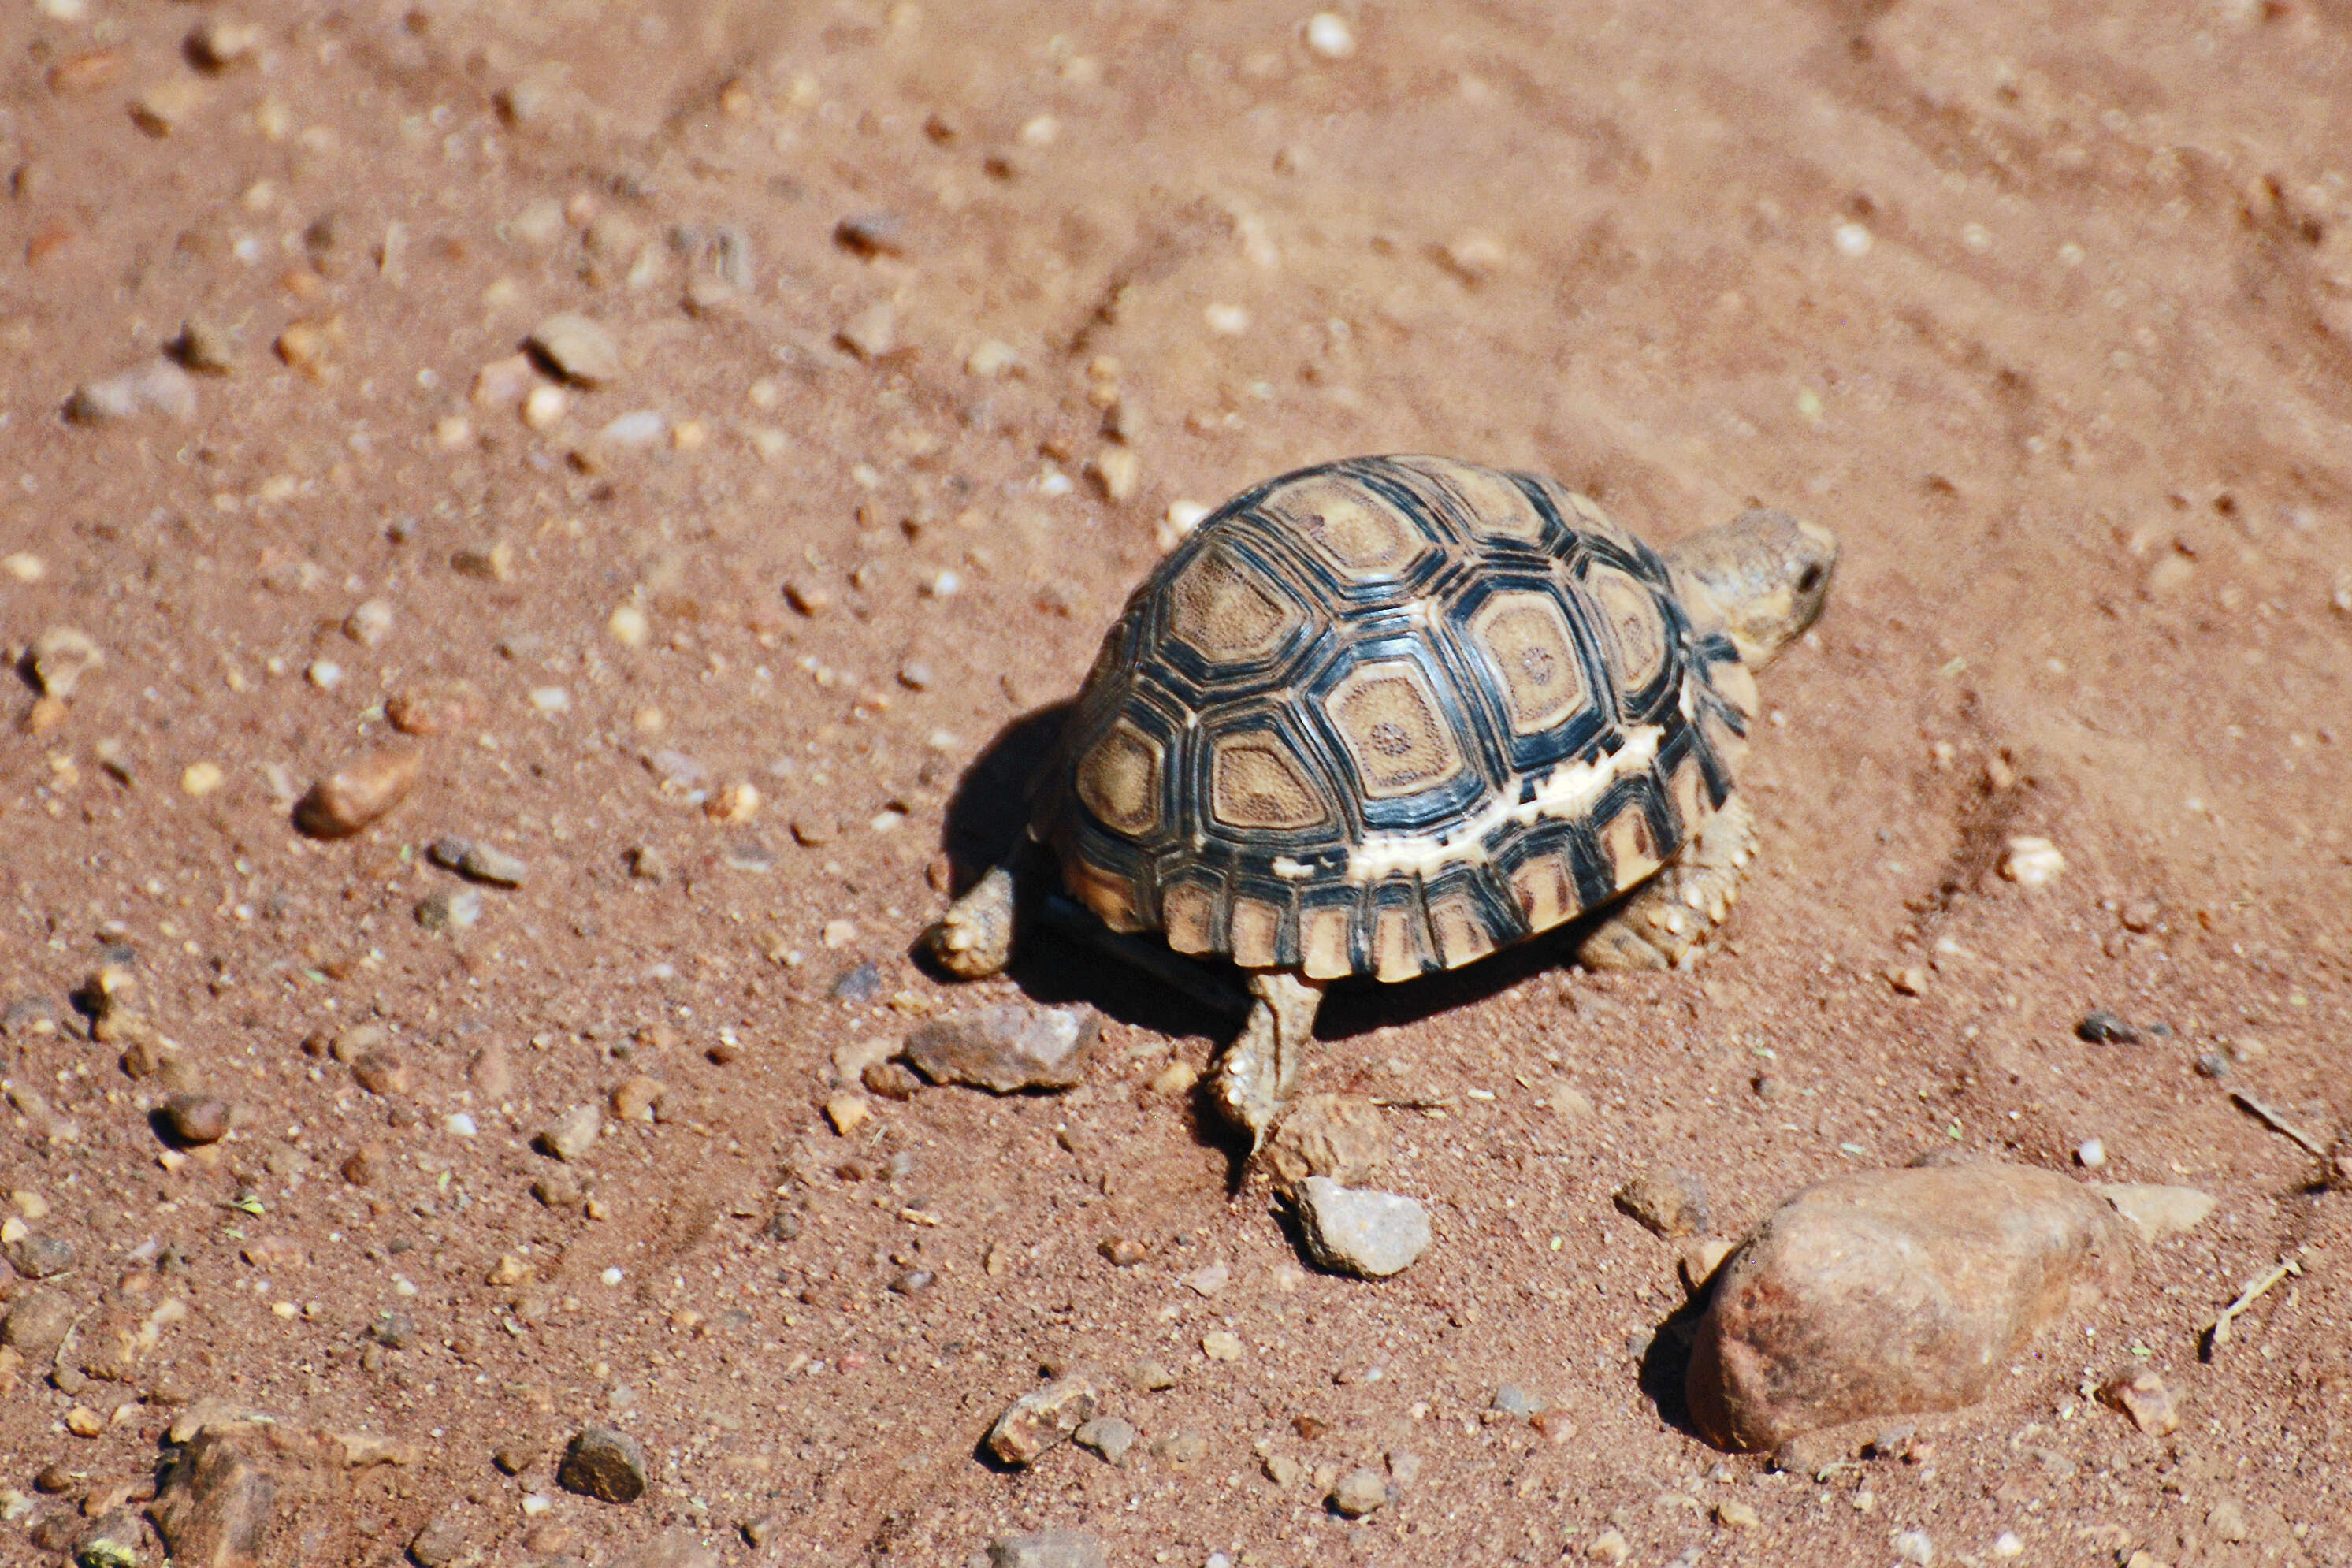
<point>982,826</point>
<point>985,815</point>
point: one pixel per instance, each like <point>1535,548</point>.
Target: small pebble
<point>2213,1064</point>
<point>370,622</point>
<point>1221,1345</point>
<point>448,910</point>
<point>61,656</point>
<point>479,862</point>
<point>38,1322</point>
<point>196,1119</point>
<point>2007,1546</point>
<point>848,1112</point>
<point>1913,1546</point>
<point>2143,1397</point>
<point>1359,1492</point>
<point>571,1135</point>
<point>2156,1211</point>
<point>633,1098</point>
<point>2091,1153</point>
<point>1046,1548</point>
<point>1367,1234</point>
<point>434,708</point>
<point>1108,1436</point>
<point>577,349</point>
<point>161,388</point>
<point>1733,1514</point>
<point>2103,1028</point>
<point>1668,1202</point>
<point>1329,35</point>
<point>604,1464</point>
<point>871,234</point>
<point>872,333</point>
<point>2033,862</point>
<point>38,1257</point>
<point>1041,1419</point>
<point>347,801</point>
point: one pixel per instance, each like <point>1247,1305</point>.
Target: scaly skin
<point>1667,922</point>
<point>975,938</point>
<point>1262,1067</point>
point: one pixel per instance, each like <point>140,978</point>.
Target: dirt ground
<point>2047,309</point>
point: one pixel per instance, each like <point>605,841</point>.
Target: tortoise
<point>1386,715</point>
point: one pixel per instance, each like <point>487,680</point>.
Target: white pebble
<point>2033,862</point>
<point>1913,1546</point>
<point>946,586</point>
<point>1183,518</point>
<point>612,1276</point>
<point>2007,1544</point>
<point>628,625</point>
<point>325,674</point>
<point>550,699</point>
<point>642,428</point>
<point>460,1123</point>
<point>993,358</point>
<point>1977,238</point>
<point>1329,35</point>
<point>2092,1154</point>
<point>536,1503</point>
<point>1852,239</point>
<point>1227,321</point>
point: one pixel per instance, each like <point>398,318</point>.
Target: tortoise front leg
<point>1667,922</point>
<point>1261,1068</point>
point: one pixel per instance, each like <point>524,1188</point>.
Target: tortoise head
<point>1767,571</point>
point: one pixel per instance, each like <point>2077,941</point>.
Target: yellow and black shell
<point>1387,715</point>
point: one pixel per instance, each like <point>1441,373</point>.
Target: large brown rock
<point>1894,1291</point>
<point>214,1504</point>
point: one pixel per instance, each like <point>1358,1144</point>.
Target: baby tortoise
<point>1387,715</point>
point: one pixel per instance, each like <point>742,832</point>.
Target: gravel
<point>1668,1202</point>
<point>349,800</point>
<point>1006,1048</point>
<point>1041,1419</point>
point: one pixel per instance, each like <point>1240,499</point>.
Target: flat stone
<point>215,1501</point>
<point>1042,1419</point>
<point>347,801</point>
<point>578,349</point>
<point>1890,1292</point>
<point>1007,1048</point>
<point>1669,1203</point>
<point>571,1135</point>
<point>1341,1136</point>
<point>1359,1492</point>
<point>2157,1211</point>
<point>1369,1235</point>
<point>604,1464</point>
<point>1046,1548</point>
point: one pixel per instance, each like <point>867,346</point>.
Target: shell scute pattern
<point>1387,715</point>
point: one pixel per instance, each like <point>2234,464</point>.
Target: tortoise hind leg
<point>1667,922</point>
<point>975,938</point>
<point>1261,1068</point>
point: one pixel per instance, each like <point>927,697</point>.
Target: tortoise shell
<point>1386,715</point>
